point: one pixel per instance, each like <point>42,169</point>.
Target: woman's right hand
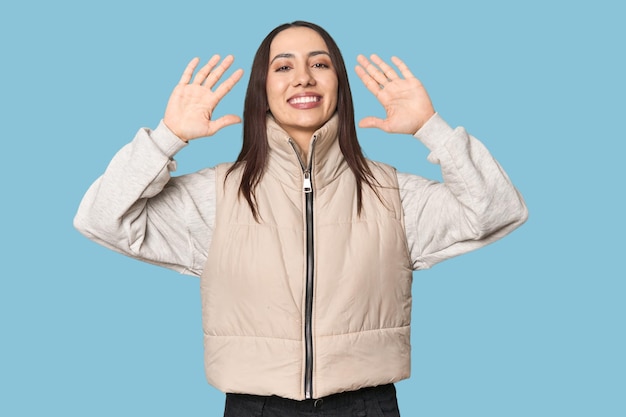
<point>191,106</point>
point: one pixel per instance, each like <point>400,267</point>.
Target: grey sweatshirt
<point>139,209</point>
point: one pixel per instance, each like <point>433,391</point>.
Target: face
<point>301,82</point>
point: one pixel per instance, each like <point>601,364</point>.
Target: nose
<point>303,77</point>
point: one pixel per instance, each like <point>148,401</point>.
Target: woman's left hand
<point>405,100</point>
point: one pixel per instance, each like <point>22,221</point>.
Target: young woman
<point>305,249</point>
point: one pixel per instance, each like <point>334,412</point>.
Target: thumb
<point>229,119</point>
<point>224,121</point>
<point>371,121</point>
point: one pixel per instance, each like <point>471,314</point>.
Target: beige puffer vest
<point>304,306</point>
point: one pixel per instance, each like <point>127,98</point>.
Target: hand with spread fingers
<point>190,109</point>
<point>405,99</point>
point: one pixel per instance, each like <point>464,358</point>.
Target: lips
<point>308,99</point>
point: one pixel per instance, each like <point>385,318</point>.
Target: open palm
<point>404,99</point>
<point>189,111</point>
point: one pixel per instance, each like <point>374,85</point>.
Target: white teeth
<point>305,99</point>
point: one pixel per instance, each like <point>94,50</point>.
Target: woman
<point>305,249</point>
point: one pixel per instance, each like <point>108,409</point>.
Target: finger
<point>217,73</point>
<point>204,72</point>
<point>387,71</point>
<point>228,84</point>
<point>372,85</point>
<point>362,60</point>
<point>191,67</point>
<point>404,69</point>
<point>372,71</point>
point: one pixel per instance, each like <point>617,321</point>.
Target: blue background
<point>533,325</point>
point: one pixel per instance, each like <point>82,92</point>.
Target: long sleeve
<point>475,204</point>
<point>137,208</point>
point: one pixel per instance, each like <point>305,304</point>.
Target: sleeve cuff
<point>434,133</point>
<point>166,140</point>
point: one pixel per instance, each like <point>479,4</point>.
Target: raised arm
<point>475,204</point>
<point>136,207</point>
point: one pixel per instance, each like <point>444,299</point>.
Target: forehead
<point>297,39</point>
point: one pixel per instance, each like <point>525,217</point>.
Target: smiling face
<point>301,83</point>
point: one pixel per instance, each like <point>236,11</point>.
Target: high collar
<point>324,155</point>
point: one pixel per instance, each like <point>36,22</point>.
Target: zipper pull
<point>307,187</point>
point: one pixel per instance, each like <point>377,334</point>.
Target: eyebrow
<point>290,55</point>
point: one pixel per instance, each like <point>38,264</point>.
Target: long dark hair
<point>255,148</point>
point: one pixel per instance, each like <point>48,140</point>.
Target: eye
<point>320,65</point>
<point>282,68</point>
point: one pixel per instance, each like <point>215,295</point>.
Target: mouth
<point>304,99</point>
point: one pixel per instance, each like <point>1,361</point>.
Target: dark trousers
<point>367,402</point>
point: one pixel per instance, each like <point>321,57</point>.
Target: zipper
<point>307,188</point>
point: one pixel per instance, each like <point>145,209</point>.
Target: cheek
<point>334,91</point>
<point>274,91</point>
<point>274,104</point>
<point>271,100</point>
<point>331,85</point>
